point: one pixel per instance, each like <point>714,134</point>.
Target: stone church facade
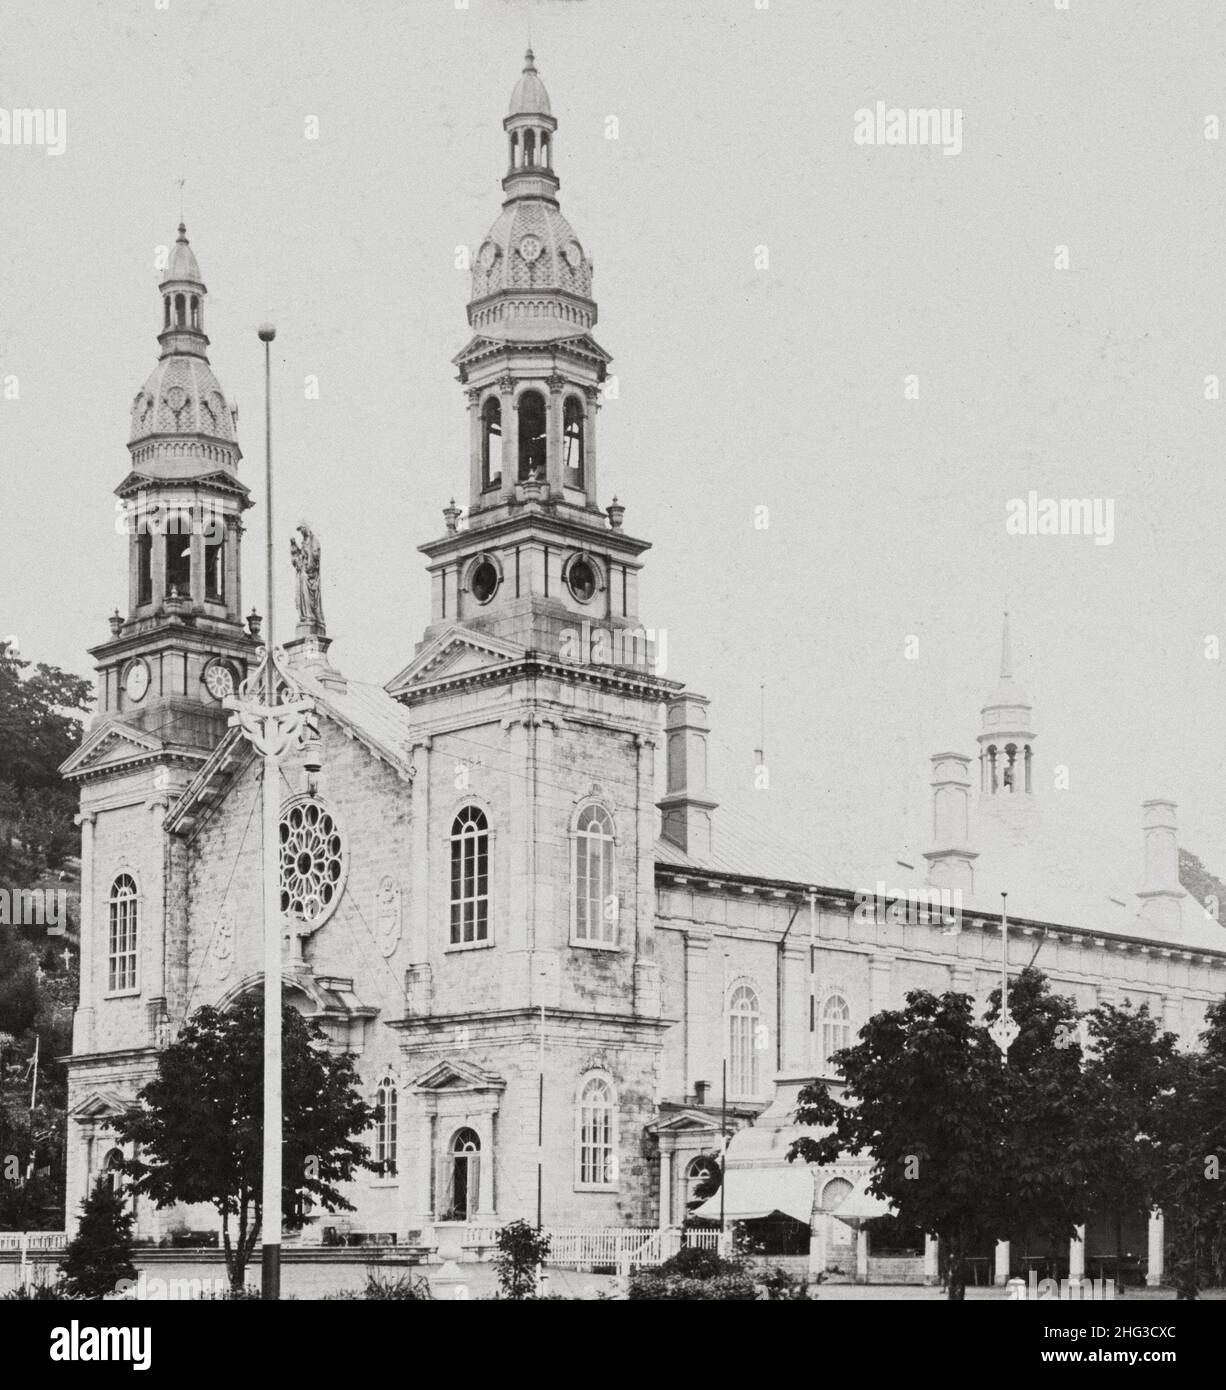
<point>488,901</point>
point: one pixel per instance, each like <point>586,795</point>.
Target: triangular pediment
<point>687,1121</point>
<point>455,1075</point>
<point>113,744</point>
<point>456,652</point>
<point>100,1105</point>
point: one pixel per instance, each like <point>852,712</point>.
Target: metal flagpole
<point>723,1149</point>
<point>270,1256</point>
<point>270,708</point>
<point>540,1120</point>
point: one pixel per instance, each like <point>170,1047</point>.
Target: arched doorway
<point>463,1175</point>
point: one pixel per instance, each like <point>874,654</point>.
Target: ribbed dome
<point>183,264</point>
<point>529,97</point>
<point>531,247</point>
<point>181,396</point>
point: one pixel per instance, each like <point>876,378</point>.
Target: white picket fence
<point>624,1246</point>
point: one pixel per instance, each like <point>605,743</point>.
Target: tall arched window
<point>144,564</point>
<point>529,146</point>
<point>112,1175</point>
<point>743,1018</point>
<point>572,441</point>
<point>597,1138</point>
<point>463,1176</point>
<point>385,1128</point>
<point>532,429</point>
<point>166,301</point>
<point>180,310</point>
<point>470,876</point>
<point>836,1030</point>
<point>491,443</point>
<point>702,1179</point>
<point>595,902</point>
<point>121,951</point>
<point>195,311</point>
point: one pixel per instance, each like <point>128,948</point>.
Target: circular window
<point>484,580</point>
<point>312,861</point>
<point>581,578</point>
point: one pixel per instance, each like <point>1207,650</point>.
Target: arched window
<point>180,310</point>
<point>178,532</point>
<point>463,1176</point>
<point>743,1018</point>
<point>532,430</point>
<point>834,1194</point>
<point>470,876</point>
<point>595,902</point>
<point>144,565</point>
<point>112,1175</point>
<point>195,311</point>
<point>836,1030</point>
<point>166,302</point>
<point>121,953</point>
<point>491,443</point>
<point>515,149</point>
<point>597,1140</point>
<point>529,146</point>
<point>702,1179</point>
<point>385,1128</point>
<point>572,441</point>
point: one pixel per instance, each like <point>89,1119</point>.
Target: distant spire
<point>1006,652</point>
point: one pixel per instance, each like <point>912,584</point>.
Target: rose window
<point>312,861</point>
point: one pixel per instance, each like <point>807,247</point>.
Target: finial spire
<point>529,60</point>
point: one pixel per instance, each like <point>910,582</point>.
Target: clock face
<point>487,255</point>
<point>136,682</point>
<point>574,254</point>
<point>530,247</point>
<point>219,680</point>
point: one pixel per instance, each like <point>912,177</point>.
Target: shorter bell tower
<point>181,646</point>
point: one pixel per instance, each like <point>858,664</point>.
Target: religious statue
<point>305,555</point>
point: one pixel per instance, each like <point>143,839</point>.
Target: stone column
<point>476,447</point>
<point>862,1255</point>
<point>1001,1274</point>
<point>510,437</point>
<point>83,1020</point>
<point>666,1189</point>
<point>1157,1249</point>
<point>153,918</point>
<point>485,1213</point>
<point>932,1266</point>
<point>589,447</point>
<point>819,1245</point>
<point>553,433</point>
<point>420,1174</point>
<point>879,982</point>
<point>793,1024</point>
<point>419,855</point>
<point>1077,1255</point>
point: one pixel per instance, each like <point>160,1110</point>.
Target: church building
<point>507,887</point>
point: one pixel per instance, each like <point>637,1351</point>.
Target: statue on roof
<point>305,555</point>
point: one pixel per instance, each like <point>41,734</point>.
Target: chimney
<point>951,860</point>
<point>700,1092</point>
<point>1161,892</point>
<point>686,806</point>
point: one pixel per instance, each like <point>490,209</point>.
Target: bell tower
<point>181,647</point>
<point>535,557</point>
<point>1006,742</point>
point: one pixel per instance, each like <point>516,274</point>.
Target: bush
<point>100,1254</point>
<point>28,1293</point>
<point>384,1288</point>
<point>696,1263</point>
<point>521,1252</point>
<point>735,1287</point>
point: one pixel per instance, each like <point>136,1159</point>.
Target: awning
<point>751,1193</point>
<point>860,1206</point>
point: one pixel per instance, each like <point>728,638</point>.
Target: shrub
<point>28,1293</point>
<point>732,1287</point>
<point>100,1254</point>
<point>384,1288</point>
<point>521,1252</point>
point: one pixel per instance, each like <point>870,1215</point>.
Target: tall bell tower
<point>536,551</point>
<point>181,647</point>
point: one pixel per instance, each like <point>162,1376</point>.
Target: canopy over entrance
<point>753,1193</point>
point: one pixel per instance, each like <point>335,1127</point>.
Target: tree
<point>962,1147</point>
<point>100,1254</point>
<point>1130,1063</point>
<point>1190,1123</point>
<point>199,1131</point>
<point>521,1252</point>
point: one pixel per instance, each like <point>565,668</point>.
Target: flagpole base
<point>270,1272</point>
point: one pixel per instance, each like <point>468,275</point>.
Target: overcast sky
<point>741,385</point>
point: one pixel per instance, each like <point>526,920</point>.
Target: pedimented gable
<point>113,745</point>
<point>100,1105</point>
<point>455,652</point>
<point>455,1075</point>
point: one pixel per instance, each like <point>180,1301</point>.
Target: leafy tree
<point>198,1125</point>
<point>522,1249</point>
<point>1205,887</point>
<point>963,1147</point>
<point>1190,1122</point>
<point>100,1254</point>
<point>1130,1063</point>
